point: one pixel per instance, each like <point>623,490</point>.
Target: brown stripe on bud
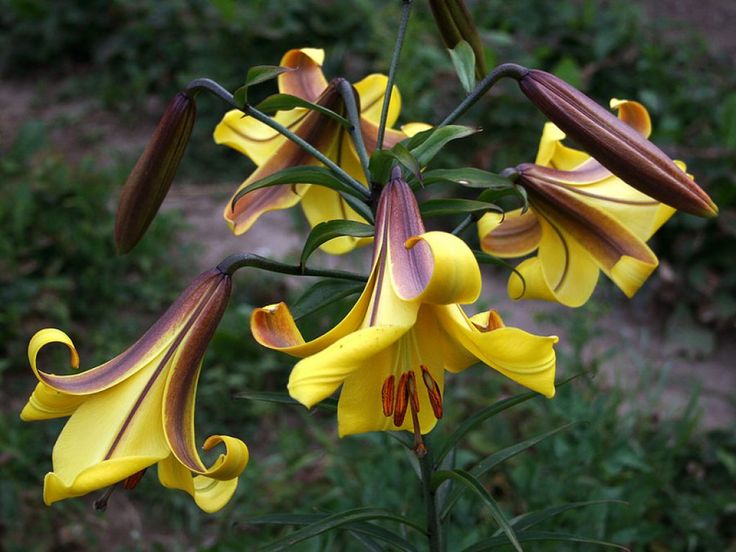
<point>149,182</point>
<point>130,483</point>
<point>387,396</point>
<point>402,400</point>
<point>433,390</point>
<point>617,146</point>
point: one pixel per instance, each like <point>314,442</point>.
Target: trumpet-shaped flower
<point>390,352</point>
<point>137,409</point>
<point>581,219</point>
<point>272,152</point>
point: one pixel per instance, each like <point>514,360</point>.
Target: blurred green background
<point>83,84</point>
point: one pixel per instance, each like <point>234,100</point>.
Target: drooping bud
<point>455,24</point>
<point>617,146</point>
<point>149,182</point>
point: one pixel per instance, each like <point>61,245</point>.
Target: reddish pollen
<point>433,391</point>
<point>387,396</point>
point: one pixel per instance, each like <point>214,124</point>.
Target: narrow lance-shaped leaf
<point>286,102</point>
<point>303,174</point>
<point>425,145</point>
<point>477,487</point>
<point>256,75</point>
<point>454,206</point>
<point>493,543</point>
<point>524,521</point>
<point>469,177</point>
<point>463,59</point>
<point>488,463</point>
<point>334,521</point>
<point>328,230</point>
<point>278,397</point>
<point>323,293</point>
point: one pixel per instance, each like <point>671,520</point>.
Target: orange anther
<point>387,395</point>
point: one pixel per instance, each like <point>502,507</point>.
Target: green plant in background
<point>345,466</point>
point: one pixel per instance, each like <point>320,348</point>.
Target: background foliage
<point>58,267</point>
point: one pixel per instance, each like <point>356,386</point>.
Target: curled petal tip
<point>149,182</point>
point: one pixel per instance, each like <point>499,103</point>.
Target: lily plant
<point>335,149</point>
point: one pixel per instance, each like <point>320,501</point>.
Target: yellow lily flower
<point>581,219</point>
<point>272,152</point>
<point>137,409</point>
<point>407,327</point>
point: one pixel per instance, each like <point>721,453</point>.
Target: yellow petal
<point>253,138</point>
<point>209,494</point>
<point>514,235</point>
<point>274,327</point>
<point>552,152</point>
<point>46,403</point>
<point>372,90</point>
<point>119,423</point>
<point>633,114</point>
<point>316,377</point>
<point>93,478</point>
<point>306,80</point>
<point>525,358</point>
<point>360,408</point>
<point>410,129</point>
<point>577,227</point>
<point>455,274</point>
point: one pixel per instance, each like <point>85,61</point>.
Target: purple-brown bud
<point>455,24</point>
<point>149,182</point>
<point>617,146</point>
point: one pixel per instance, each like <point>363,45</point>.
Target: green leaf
<point>469,177</point>
<point>255,75</point>
<point>453,206</point>
<point>303,174</point>
<point>524,521</point>
<point>361,527</point>
<point>407,160</point>
<point>535,536</point>
<point>380,165</point>
<point>349,518</point>
<point>490,462</point>
<point>477,487</point>
<point>325,231</point>
<point>494,195</point>
<point>280,397</point>
<point>499,406</point>
<point>463,58</point>
<point>286,102</point>
<point>425,145</point>
<point>323,293</point>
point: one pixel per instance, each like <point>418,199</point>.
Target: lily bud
<point>455,24</point>
<point>149,182</point>
<point>617,146</point>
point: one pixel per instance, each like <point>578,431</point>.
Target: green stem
<point>215,88</point>
<point>240,260</point>
<point>467,221</point>
<point>504,70</point>
<point>434,528</point>
<point>356,132</point>
<point>405,11</point>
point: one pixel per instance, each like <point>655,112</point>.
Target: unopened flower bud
<point>149,182</point>
<point>455,24</point>
<point>617,146</point>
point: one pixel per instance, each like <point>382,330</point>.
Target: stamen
<point>387,396</point>
<point>433,390</point>
<point>101,503</point>
<point>411,385</point>
<point>130,483</point>
<point>402,400</point>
